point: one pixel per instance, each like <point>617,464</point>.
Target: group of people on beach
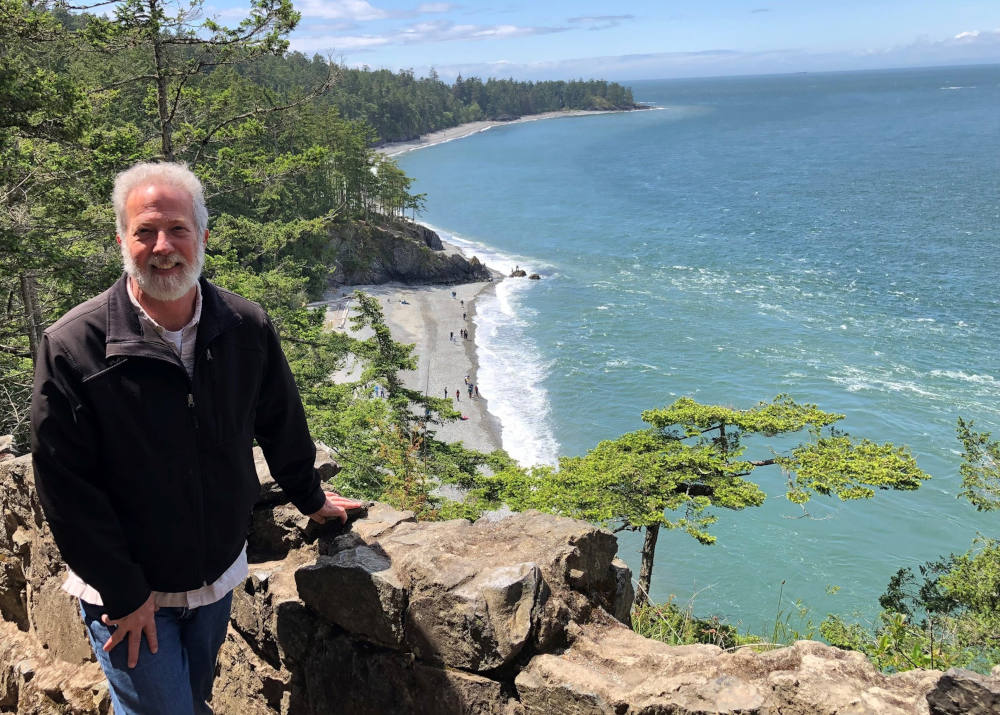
<point>471,387</point>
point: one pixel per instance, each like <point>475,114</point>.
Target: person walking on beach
<point>458,395</point>
<point>470,391</point>
<point>446,393</point>
<point>463,316</point>
<point>476,388</point>
<point>451,336</point>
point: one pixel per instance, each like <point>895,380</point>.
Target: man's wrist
<point>313,504</point>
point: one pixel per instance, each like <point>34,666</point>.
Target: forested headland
<point>283,144</point>
<point>400,106</point>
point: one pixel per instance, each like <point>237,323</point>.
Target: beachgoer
<point>446,393</point>
<point>141,427</point>
<point>463,316</point>
<point>451,336</point>
<point>470,391</point>
<point>458,395</point>
<point>477,390</point>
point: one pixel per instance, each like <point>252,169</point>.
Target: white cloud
<point>429,8</point>
<point>600,22</point>
<point>354,10</point>
<point>418,33</point>
<point>973,47</point>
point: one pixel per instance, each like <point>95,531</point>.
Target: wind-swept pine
<point>691,459</point>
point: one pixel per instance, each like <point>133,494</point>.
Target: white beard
<point>160,287</point>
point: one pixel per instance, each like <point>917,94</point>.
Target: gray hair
<point>177,175</point>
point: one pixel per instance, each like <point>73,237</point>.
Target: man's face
<point>160,248</point>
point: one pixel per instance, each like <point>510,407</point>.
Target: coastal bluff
<point>522,614</point>
<point>401,251</point>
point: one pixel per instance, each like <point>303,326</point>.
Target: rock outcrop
<point>400,251</point>
<point>517,615</point>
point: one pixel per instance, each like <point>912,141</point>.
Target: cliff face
<point>387,615</point>
<point>399,251</point>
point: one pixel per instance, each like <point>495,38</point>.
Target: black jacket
<point>146,476</point>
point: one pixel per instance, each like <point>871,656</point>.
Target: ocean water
<point>830,236</point>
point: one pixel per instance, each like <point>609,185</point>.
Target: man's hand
<point>139,621</point>
<point>336,507</point>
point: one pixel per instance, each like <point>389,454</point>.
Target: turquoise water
<point>830,236</point>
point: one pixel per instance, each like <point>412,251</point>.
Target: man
<point>147,401</point>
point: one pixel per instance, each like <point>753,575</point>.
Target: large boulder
<point>32,571</point>
<point>34,682</point>
<point>609,669</point>
<point>470,596</point>
<point>962,692</point>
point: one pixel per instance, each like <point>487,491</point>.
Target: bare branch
<point>11,350</point>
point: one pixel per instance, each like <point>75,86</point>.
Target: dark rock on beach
<point>398,251</point>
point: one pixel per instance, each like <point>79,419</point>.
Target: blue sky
<point>646,40</point>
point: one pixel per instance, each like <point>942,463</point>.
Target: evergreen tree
<point>692,459</point>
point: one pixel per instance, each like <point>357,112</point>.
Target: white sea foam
<point>966,377</point>
<point>857,380</point>
<point>511,371</point>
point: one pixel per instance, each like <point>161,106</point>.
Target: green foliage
<point>851,470</point>
<point>677,625</point>
<point>673,625</point>
<point>950,617</point>
<point>779,416</point>
<point>980,467</point>
<point>973,582</point>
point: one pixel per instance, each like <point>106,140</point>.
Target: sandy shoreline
<point>431,319</point>
<point>470,128</point>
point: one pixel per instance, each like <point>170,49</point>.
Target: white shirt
<point>183,342</point>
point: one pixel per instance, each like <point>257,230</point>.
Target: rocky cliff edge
<point>387,615</point>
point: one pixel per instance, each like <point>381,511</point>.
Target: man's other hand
<point>335,507</point>
<point>141,620</point>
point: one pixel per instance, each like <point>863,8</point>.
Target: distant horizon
<point>628,82</point>
<point>911,68</point>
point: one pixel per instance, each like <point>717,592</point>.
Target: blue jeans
<point>177,679</point>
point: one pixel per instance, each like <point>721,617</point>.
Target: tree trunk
<point>166,130</point>
<point>646,568</point>
<point>32,313</point>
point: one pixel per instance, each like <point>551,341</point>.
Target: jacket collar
<point>125,333</point>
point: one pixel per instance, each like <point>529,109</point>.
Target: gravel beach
<point>430,317</point>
